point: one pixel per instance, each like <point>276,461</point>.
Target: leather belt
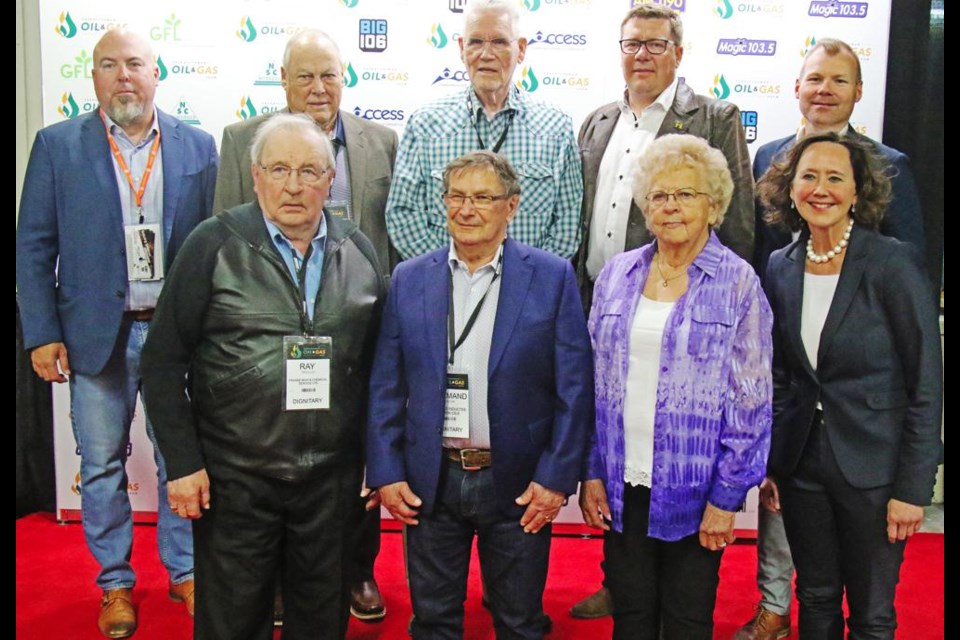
<point>142,315</point>
<point>469,459</point>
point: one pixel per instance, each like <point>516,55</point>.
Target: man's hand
<point>401,502</point>
<point>903,520</point>
<point>716,528</point>
<point>543,505</point>
<point>189,494</point>
<point>50,362</point>
<point>770,495</point>
<point>593,504</point>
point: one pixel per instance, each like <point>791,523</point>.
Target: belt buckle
<point>468,456</point>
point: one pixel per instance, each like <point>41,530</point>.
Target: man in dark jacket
<point>255,375</point>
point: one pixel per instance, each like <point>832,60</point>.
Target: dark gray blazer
<point>716,121</point>
<point>371,149</point>
<point>878,372</point>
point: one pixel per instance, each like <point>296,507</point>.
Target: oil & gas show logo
<point>68,106</point>
<point>373,35</point>
<point>248,109</point>
<point>387,116</point>
<point>67,26</point>
<point>558,40</point>
<point>530,81</point>
<point>349,4</point>
<point>837,9</point>
<point>187,69</point>
<point>451,78</point>
<point>722,88</point>
<point>438,36</point>
<point>746,47</point>
<point>726,9</point>
<point>535,5</point>
<point>249,31</point>
<point>377,75</point>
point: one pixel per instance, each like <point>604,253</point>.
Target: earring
<point>792,205</point>
<point>853,208</point>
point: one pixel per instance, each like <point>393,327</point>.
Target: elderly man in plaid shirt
<point>490,114</point>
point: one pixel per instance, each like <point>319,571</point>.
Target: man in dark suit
<point>828,88</point>
<point>480,405</point>
<point>312,77</point>
<point>108,199</point>
<point>655,103</point>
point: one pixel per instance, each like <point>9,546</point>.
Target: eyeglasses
<point>654,47</point>
<point>684,197</point>
<point>499,45</point>
<point>281,173</point>
<point>480,202</point>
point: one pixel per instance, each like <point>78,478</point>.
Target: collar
<point>277,235</point>
<point>117,131</point>
<point>456,263</point>
<point>801,132</point>
<point>664,101</point>
<point>475,107</point>
<point>338,135</point>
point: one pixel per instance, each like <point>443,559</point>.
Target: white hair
<point>298,125</point>
<point>508,7</point>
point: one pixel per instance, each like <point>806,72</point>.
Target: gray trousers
<point>774,563</point>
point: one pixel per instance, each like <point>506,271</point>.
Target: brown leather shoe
<point>183,592</point>
<point>118,618</point>
<point>764,625</point>
<point>366,603</point>
<point>596,605</point>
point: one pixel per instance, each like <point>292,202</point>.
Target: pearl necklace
<point>829,255</point>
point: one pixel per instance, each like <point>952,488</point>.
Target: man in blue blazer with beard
<point>108,198</point>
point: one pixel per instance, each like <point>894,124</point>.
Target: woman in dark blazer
<point>857,386</point>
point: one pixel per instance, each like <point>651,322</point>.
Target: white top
<point>817,296</point>
<point>611,207</point>
<point>640,397</point>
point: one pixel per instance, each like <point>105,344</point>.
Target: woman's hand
<point>716,528</point>
<point>903,520</point>
<point>593,504</point>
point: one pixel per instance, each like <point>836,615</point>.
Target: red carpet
<point>56,597</point>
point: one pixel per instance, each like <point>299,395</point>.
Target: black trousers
<point>838,538</point>
<point>656,585</point>
<point>368,543</point>
<point>256,524</point>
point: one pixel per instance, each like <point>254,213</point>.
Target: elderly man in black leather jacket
<point>255,376</point>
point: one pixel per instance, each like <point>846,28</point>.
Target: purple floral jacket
<point>713,416</point>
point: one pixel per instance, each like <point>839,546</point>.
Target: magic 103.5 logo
<point>837,9</point>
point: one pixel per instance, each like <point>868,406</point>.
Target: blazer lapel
<point>436,304</point>
<point>356,142</point>
<point>793,302</point>
<point>854,264</point>
<point>517,275</point>
<point>171,145</point>
<point>681,112</point>
<point>101,161</point>
<point>591,154</point>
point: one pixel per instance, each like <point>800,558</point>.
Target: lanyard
<point>137,193</point>
<point>475,116</point>
<point>301,267</point>
<point>451,323</point>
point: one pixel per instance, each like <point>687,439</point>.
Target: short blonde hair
<point>676,151</point>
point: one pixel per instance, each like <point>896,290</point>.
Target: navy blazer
<point>540,394</point>
<point>71,264</point>
<point>903,219</point>
<point>878,373</point>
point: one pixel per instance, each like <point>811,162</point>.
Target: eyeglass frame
<point>482,206</point>
<point>668,194</point>
<point>497,45</point>
<point>268,172</point>
<point>644,44</point>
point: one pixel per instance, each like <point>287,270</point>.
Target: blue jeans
<point>102,408</point>
<point>513,563</point>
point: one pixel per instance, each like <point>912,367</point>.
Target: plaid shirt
<point>539,144</point>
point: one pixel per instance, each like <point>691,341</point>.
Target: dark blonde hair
<point>869,174</point>
<point>647,11</point>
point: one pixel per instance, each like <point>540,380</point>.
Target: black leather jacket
<point>218,332</point>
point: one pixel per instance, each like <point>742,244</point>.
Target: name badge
<point>307,381</point>
<point>456,415</point>
<point>338,208</point>
<point>144,251</point>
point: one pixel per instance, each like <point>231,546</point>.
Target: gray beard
<point>125,114</point>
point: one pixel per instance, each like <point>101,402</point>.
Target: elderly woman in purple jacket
<point>681,334</point>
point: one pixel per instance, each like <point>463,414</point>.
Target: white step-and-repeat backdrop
<point>220,63</point>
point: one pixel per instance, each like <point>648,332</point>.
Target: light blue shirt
<point>294,260</point>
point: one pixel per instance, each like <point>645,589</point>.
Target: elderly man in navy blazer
<point>481,399</point>
<point>828,88</point>
<point>107,200</point>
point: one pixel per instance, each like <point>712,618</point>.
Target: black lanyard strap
<point>451,323</point>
